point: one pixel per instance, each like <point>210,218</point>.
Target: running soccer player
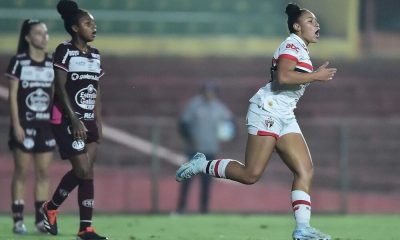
<point>272,124</point>
<point>76,119</point>
<point>31,85</point>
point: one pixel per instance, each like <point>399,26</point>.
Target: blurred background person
<point>31,78</point>
<point>203,124</point>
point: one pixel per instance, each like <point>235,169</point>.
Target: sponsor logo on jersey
<point>41,116</point>
<point>27,73</point>
<point>24,84</point>
<point>292,46</point>
<point>30,116</point>
<point>78,144</point>
<point>50,143</point>
<point>28,84</point>
<point>76,76</point>
<point>88,116</point>
<point>82,64</point>
<point>31,131</point>
<point>86,97</point>
<point>88,203</point>
<point>29,143</point>
<point>39,74</point>
<point>95,55</point>
<point>38,101</point>
<point>63,192</point>
<point>25,62</point>
<point>72,53</point>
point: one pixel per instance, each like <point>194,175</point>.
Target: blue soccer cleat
<point>309,233</point>
<point>191,168</point>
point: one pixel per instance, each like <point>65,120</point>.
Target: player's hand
<point>78,129</point>
<point>19,133</point>
<point>325,74</point>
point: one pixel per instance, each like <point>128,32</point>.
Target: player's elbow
<point>283,78</point>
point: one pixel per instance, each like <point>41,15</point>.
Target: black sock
<point>85,201</point>
<point>67,184</point>
<point>17,209</point>
<point>38,215</point>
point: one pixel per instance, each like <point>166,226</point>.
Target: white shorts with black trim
<point>263,122</point>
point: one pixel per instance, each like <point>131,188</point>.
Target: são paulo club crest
<point>269,122</point>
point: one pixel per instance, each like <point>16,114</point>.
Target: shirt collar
<point>301,41</point>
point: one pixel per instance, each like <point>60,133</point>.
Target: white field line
<point>131,141</point>
<point>144,146</point>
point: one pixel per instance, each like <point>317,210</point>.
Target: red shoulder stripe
<point>290,57</point>
<point>305,65</point>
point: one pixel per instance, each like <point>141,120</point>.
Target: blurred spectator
<point>203,124</point>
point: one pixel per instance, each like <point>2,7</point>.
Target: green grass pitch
<point>215,227</point>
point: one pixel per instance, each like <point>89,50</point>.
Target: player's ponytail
<point>23,45</point>
<point>294,12</point>
<point>70,13</point>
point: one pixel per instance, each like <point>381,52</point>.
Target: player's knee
<point>305,174</point>
<point>83,173</point>
<point>19,178</point>
<point>42,175</point>
<point>20,174</point>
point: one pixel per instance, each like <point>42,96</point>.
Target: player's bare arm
<point>78,128</point>
<point>286,73</point>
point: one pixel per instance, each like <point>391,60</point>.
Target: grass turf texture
<point>215,227</point>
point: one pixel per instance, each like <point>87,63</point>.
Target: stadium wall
<point>141,93</point>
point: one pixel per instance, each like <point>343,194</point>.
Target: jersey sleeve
<point>102,72</point>
<point>13,69</point>
<point>61,58</point>
<point>289,51</point>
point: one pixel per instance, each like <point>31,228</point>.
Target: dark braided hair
<point>294,12</point>
<point>70,13</point>
<point>27,25</point>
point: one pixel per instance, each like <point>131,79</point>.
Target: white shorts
<point>263,122</point>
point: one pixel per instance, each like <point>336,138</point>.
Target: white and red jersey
<point>285,97</point>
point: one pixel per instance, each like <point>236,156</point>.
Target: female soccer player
<point>31,94</point>
<point>76,116</point>
<point>272,123</point>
